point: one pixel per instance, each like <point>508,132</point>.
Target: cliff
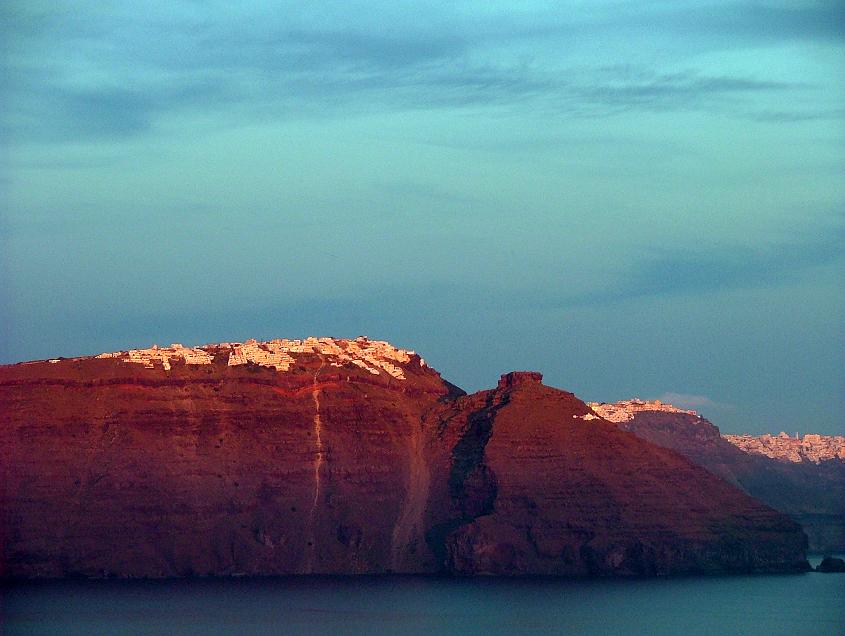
<point>788,474</point>
<point>561,491</point>
<point>344,456</point>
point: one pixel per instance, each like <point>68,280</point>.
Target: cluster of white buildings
<point>264,355</point>
<point>374,356</point>
<point>625,410</point>
<point>155,355</point>
<point>811,448</point>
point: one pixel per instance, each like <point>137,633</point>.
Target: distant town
<point>810,448</point>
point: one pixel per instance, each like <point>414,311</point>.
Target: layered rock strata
<point>344,456</point>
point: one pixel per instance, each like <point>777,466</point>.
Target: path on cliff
<point>318,464</point>
<point>409,525</point>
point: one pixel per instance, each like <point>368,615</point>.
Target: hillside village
<point>374,356</point>
<point>810,448</point>
<point>625,410</point>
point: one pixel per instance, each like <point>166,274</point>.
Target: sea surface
<point>792,605</point>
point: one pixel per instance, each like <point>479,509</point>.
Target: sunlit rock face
<point>804,478</point>
<point>327,455</point>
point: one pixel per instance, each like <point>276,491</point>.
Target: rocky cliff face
<point>811,492</point>
<point>146,464</point>
<point>560,491</point>
<point>344,456</point>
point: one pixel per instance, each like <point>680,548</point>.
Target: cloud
<point>693,402</point>
<point>815,20</point>
<point>109,76</point>
<point>670,272</point>
<point>45,105</point>
<point>688,90</point>
<point>735,267</point>
<point>347,49</point>
<point>55,110</point>
<point>793,116</point>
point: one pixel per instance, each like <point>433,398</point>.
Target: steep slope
<point>558,490</point>
<point>811,493</point>
<point>344,456</point>
<point>678,429</point>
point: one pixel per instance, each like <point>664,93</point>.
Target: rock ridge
<point>517,378</point>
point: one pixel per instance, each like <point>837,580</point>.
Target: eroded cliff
<point>344,456</point>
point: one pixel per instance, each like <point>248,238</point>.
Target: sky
<point>635,198</point>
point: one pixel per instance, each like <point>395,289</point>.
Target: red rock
<point>559,494</point>
<point>111,468</point>
<point>813,494</point>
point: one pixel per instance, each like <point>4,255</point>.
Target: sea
<point>764,605</point>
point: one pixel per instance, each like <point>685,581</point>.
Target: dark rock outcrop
<point>341,465</point>
<point>831,564</point>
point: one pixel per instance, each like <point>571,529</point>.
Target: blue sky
<point>639,198</point>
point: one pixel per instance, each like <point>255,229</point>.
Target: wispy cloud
<point>735,267</point>
<point>67,78</point>
<point>690,90</point>
<point>693,402</point>
<point>61,112</point>
<point>671,272</point>
<point>793,116</point>
<point>757,21</point>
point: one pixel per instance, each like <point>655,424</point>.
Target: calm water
<point>766,605</point>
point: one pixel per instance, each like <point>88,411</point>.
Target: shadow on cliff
<point>472,484</point>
